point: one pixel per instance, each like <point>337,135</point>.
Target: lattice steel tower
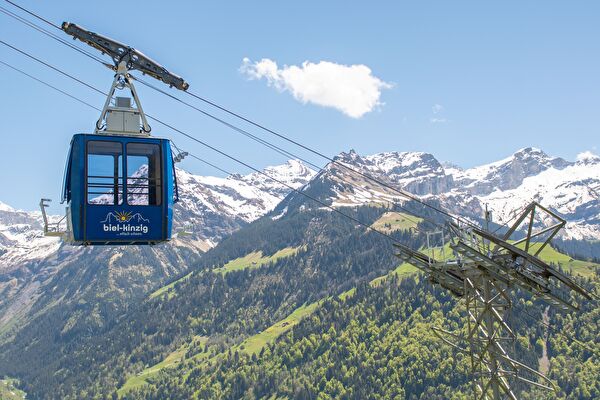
<point>484,269</point>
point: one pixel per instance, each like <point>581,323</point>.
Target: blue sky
<point>470,82</point>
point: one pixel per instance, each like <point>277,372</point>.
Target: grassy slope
<point>402,271</point>
<point>8,391</point>
<point>255,260</point>
<point>255,343</point>
<point>396,221</point>
<point>551,255</point>
<point>251,260</point>
<point>252,344</point>
<point>172,360</point>
<point>167,289</point>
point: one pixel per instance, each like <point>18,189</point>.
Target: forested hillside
<point>377,343</point>
<point>334,257</point>
<point>290,306</point>
<point>310,315</point>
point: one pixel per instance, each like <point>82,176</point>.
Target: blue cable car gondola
<point>119,190</point>
<point>120,184</point>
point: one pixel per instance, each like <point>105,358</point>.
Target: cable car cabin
<point>119,190</point>
<point>119,183</point>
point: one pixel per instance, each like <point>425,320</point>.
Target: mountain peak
<point>5,207</point>
<point>530,149</point>
<point>538,156</point>
<point>292,172</point>
<point>406,163</point>
<point>527,152</point>
<point>588,158</point>
<point>292,167</point>
<point>351,157</point>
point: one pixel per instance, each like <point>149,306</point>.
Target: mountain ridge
<point>87,314</point>
<point>210,208</point>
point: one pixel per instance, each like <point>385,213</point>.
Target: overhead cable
<point>225,154</point>
<point>265,143</point>
<point>401,192</point>
<point>235,128</point>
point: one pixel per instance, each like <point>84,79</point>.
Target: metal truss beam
<point>484,271</point>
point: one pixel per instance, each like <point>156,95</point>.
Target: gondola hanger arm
<point>119,52</point>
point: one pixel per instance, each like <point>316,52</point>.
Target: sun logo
<point>123,216</point>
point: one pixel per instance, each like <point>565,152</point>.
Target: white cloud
<point>437,120</point>
<point>352,89</point>
<point>437,108</point>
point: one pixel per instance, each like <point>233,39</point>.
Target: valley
<point>267,291</point>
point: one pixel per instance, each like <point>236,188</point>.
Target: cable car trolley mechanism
<point>119,184</point>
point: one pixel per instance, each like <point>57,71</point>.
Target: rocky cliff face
<point>506,186</point>
<point>418,172</point>
<point>508,173</point>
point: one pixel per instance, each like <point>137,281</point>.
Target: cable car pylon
<point>484,270</point>
<point>120,184</point>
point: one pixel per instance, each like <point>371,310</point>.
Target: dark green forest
<point>378,344</point>
<point>375,341</point>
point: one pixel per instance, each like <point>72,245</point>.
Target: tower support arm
<point>119,52</point>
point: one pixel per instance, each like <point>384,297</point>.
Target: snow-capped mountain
<point>506,186</point>
<point>506,174</point>
<point>209,209</point>
<point>241,198</point>
<point>21,238</point>
<point>417,172</point>
<point>568,188</point>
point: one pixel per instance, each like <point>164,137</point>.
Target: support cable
<point>33,14</point>
<point>223,153</point>
<point>53,67</point>
<point>49,85</point>
<point>321,203</point>
<point>53,36</point>
<point>237,129</point>
<point>273,147</point>
<point>270,145</point>
<point>403,193</point>
<point>203,161</point>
